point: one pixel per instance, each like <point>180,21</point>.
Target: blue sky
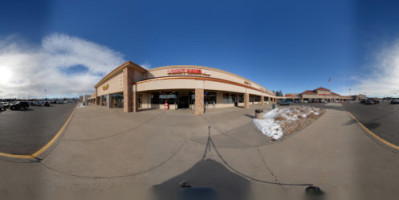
<point>283,45</point>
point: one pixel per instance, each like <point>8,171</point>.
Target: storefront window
<point>241,98</point>
<point>155,98</point>
<point>210,97</point>
<point>104,100</point>
<point>227,98</point>
<point>192,98</point>
<point>160,98</point>
<point>117,100</point>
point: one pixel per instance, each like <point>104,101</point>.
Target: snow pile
<point>273,121</point>
<point>80,105</point>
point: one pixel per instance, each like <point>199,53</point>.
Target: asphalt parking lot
<point>382,119</point>
<point>24,132</point>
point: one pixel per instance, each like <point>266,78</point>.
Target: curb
<point>373,134</point>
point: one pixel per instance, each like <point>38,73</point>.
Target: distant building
<point>317,95</point>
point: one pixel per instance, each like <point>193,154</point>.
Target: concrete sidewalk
<point>146,155</point>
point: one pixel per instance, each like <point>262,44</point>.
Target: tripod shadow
<point>208,175</point>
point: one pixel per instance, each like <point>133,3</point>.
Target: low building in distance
<point>317,95</point>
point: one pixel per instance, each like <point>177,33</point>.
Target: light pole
<point>45,94</point>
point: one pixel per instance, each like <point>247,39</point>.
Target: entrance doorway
<point>183,102</point>
<point>183,99</point>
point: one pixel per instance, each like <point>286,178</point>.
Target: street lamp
<point>45,94</point>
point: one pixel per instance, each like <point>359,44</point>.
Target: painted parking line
<point>373,134</point>
<point>16,156</point>
<point>45,147</point>
<point>51,142</point>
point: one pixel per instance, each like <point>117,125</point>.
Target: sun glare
<point>5,75</point>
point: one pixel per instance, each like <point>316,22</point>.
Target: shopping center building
<point>317,95</point>
<point>198,88</point>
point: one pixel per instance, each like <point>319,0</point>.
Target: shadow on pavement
<point>250,116</point>
<point>205,174</point>
<point>372,125</point>
<point>21,110</point>
<point>209,179</point>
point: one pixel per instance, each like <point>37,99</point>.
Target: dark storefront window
<point>227,98</point>
<point>241,98</point>
<point>104,100</point>
<point>155,98</point>
<point>192,98</point>
<point>210,97</point>
<point>117,100</point>
<point>160,98</point>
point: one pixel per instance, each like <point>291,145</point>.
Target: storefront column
<point>246,100</point>
<point>199,101</point>
<point>262,100</point>
<point>128,80</point>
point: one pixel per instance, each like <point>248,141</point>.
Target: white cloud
<point>383,77</point>
<point>26,70</point>
<point>146,65</point>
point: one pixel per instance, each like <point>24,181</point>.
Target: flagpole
<point>329,81</point>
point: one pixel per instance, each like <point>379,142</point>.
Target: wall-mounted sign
<point>188,71</point>
<point>105,87</point>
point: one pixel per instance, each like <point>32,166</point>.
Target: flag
<point>329,80</point>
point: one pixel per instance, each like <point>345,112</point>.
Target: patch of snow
<point>272,127</point>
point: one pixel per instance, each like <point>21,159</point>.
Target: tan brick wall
<point>199,101</point>
<point>128,80</point>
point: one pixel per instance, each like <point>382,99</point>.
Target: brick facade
<point>128,80</point>
<point>199,101</point>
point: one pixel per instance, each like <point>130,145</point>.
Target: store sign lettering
<point>188,71</point>
<point>105,87</point>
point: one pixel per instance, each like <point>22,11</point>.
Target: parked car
<point>394,101</point>
<point>284,102</point>
<point>375,100</point>
<point>19,105</point>
<point>369,102</point>
<point>363,101</point>
<point>46,103</point>
<point>4,105</point>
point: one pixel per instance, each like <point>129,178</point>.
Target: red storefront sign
<point>188,71</point>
